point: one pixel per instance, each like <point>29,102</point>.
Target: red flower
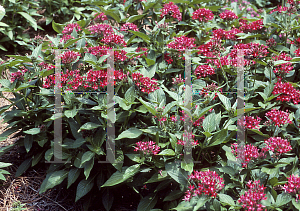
<point>203,14</point>
<point>228,15</point>
<point>287,91</point>
<point>204,70</point>
<point>251,27</point>
<point>293,186</point>
<point>147,147</point>
<point>250,122</point>
<point>69,57</point>
<point>278,145</point>
<point>278,117</point>
<point>245,153</point>
<point>207,182</point>
<point>129,26</point>
<point>251,199</point>
<point>145,83</point>
<point>172,10</point>
<point>70,27</point>
<point>100,16</point>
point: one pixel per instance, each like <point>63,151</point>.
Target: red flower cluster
<point>250,27</point>
<point>287,91</point>
<point>168,58</point>
<point>293,186</point>
<point>278,145</point>
<point>271,42</point>
<point>178,80</point>
<point>207,182</point>
<point>100,16</point>
<point>129,26</point>
<point>69,57</point>
<point>17,76</point>
<point>145,83</point>
<point>226,35</point>
<point>296,42</point>
<point>246,154</point>
<point>182,43</point>
<point>47,66</point>
<point>204,70</point>
<point>285,68</point>
<point>101,29</point>
<point>251,50</point>
<point>66,37</point>
<point>279,9</point>
<point>297,52</point>
<point>251,199</point>
<point>199,122</point>
<point>119,55</point>
<point>95,79</point>
<point>250,122</point>
<point>139,49</point>
<point>228,15</point>
<point>70,27</point>
<point>181,142</point>
<point>278,117</point>
<point>203,14</point>
<point>147,147</point>
<point>172,10</point>
<point>206,91</point>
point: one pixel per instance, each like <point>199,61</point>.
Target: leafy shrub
<point>152,141</point>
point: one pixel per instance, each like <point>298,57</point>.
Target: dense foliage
<point>149,39</point>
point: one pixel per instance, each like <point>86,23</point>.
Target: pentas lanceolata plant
<point>149,40</point>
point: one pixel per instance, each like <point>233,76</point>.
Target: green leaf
<point>112,13</point>
<point>147,203</point>
<point>71,113</point>
<point>226,199</point>
<point>218,138</point>
<point>283,199</point>
<point>281,48</point>
<point>73,176</point>
<point>119,177</point>
<point>187,166</point>
<point>279,62</point>
<point>107,199</point>
<point>149,106</point>
<point>176,173</point>
<point>296,204</point>
<point>57,27</point>
<point>130,94</point>
<point>209,123</point>
<point>145,37</point>
<point>84,187</point>
<point>86,157</point>
<point>53,179</point>
<point>201,201</point>
<point>89,126</point>
<point>259,132</point>
<point>122,103</point>
<point>29,19</point>
<point>6,83</point>
<point>33,131</point>
<point>28,140</point>
<point>167,152</point>
<point>173,195</point>
<point>135,18</point>
<point>88,166</point>
<point>225,101</point>
<point>3,165</point>
<point>37,157</point>
<point>130,133</point>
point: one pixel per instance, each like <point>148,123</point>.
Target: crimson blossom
<point>204,70</point>
<point>147,147</point>
<point>172,10</point>
<point>203,14</point>
<point>293,186</point>
<point>207,182</point>
<point>250,122</point>
<point>251,199</point>
<point>278,145</point>
<point>245,153</point>
<point>287,91</point>
<point>277,117</point>
<point>145,84</point>
<point>228,15</point>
